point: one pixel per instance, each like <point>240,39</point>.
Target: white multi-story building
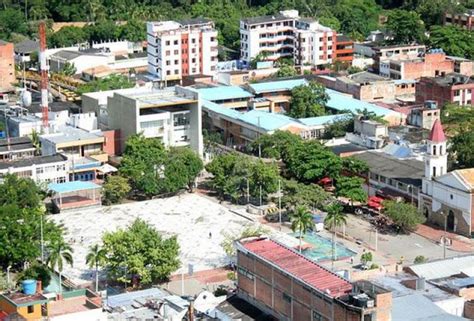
<point>172,114</point>
<point>181,48</point>
<point>286,35</point>
<point>41,169</point>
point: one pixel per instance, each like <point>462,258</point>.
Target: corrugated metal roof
<point>299,267</point>
<point>443,268</point>
<point>223,93</point>
<point>125,299</point>
<point>280,85</point>
<point>72,186</point>
<point>416,307</point>
<point>343,102</point>
<point>322,120</point>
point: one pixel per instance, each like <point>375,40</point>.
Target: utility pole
<point>42,239</point>
<point>444,236</point>
<point>248,191</point>
<point>279,202</point>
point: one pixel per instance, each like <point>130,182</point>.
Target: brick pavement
<point>459,243</point>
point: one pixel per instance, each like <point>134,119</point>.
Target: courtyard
<point>196,220</point>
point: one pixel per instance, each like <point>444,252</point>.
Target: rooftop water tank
<point>29,287</point>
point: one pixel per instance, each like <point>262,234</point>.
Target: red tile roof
<point>437,133</point>
<point>299,267</point>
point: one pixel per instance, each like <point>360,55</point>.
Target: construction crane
<point>44,75</point>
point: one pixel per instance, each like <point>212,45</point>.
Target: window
<point>434,171</point>
<point>451,196</point>
<point>167,42</point>
<point>434,150</point>
<point>176,42</point>
<point>317,316</point>
<point>286,297</point>
<point>193,40</point>
<point>193,50</point>
<point>441,150</point>
<point>193,60</point>
<point>168,72</point>
<point>39,170</point>
<point>176,62</point>
<point>176,52</point>
<point>31,309</point>
<point>168,62</point>
<point>180,120</point>
<point>168,52</point>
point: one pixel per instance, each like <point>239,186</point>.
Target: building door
<point>426,211</point>
<point>450,221</point>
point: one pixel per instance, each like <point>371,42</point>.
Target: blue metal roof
<point>226,111</point>
<point>280,85</point>
<point>265,120</point>
<point>342,102</point>
<point>72,186</point>
<point>223,93</point>
<point>322,120</point>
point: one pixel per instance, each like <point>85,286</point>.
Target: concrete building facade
<point>452,88</point>
<point>288,286</point>
<point>181,48</point>
<point>7,66</point>
<point>287,35</point>
<point>172,115</point>
<point>464,20</point>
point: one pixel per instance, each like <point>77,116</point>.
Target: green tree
<point>36,272</point>
<point>301,222</point>
<point>143,163</point>
<point>115,81</point>
<point>405,26</point>
<point>140,251</point>
<point>104,30</point>
<point>335,218</point>
<point>115,189</point>
<point>352,165</point>
<point>351,188</point>
<point>181,169</point>
<point>21,213</point>
<point>453,40</point>
<point>339,127</point>
<point>308,101</point>
<point>69,69</point>
<point>12,21</point>
<point>366,257</point>
<point>67,36</point>
<point>275,145</point>
<point>404,215</point>
<point>294,194</point>
<point>134,30</point>
<point>3,282</point>
<point>461,149</point>
<point>420,259</point>
<point>365,114</point>
<point>227,243</point>
<point>457,119</point>
<point>59,253</point>
<point>95,259</point>
<point>286,71</point>
<point>310,161</point>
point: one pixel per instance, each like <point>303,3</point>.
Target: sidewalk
<point>459,243</point>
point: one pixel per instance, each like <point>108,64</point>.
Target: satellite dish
<point>25,98</point>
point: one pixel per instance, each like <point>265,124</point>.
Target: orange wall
<point>112,142</point>
<point>7,66</point>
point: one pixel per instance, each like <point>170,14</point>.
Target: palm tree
<point>335,217</point>
<point>59,253</point>
<point>95,258</point>
<point>301,221</point>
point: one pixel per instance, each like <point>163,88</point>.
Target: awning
<point>106,168</point>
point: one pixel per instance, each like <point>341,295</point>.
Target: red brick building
<point>464,20</point>
<point>7,66</point>
<point>452,88</point>
<point>285,284</point>
<point>344,49</point>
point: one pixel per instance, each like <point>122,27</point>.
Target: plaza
<point>194,219</point>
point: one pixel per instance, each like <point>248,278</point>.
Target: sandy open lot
<point>190,216</point>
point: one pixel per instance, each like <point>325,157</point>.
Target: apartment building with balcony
<point>287,35</point>
<point>344,49</point>
<point>288,286</point>
<point>172,114</point>
<point>181,48</point>
<point>464,20</point>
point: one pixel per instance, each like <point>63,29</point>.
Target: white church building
<point>446,197</point>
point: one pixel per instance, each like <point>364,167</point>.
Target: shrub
<point>420,259</point>
<point>366,257</point>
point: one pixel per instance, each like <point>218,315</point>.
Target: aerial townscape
<point>304,160</point>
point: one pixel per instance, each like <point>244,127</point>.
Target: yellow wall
<point>35,315</point>
<point>23,311</point>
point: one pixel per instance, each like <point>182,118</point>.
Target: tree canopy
<point>453,40</point>
<point>461,149</point>
<point>308,101</point>
<point>21,212</point>
<point>405,26</point>
<point>140,251</point>
<point>404,215</point>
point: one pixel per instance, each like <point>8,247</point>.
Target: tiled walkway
<point>459,243</point>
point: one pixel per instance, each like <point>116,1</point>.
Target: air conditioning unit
<point>370,303</point>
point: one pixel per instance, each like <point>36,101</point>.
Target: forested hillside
<point>353,17</point>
